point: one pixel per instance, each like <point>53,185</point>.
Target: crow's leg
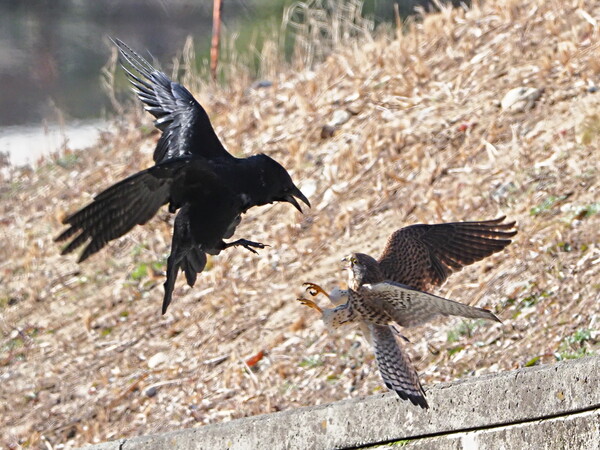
<point>248,245</point>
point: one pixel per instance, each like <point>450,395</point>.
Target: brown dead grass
<point>83,344</point>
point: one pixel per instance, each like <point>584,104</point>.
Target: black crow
<point>193,173</point>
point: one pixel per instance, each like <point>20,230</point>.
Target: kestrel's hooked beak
<point>345,262</point>
<point>348,261</point>
<point>290,198</point>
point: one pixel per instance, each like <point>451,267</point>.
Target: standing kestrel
<point>390,290</point>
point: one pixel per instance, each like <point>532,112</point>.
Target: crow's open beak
<point>290,198</point>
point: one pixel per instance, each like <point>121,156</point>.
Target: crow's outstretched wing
<point>395,366</point>
<point>186,128</point>
<point>135,200</point>
<point>410,307</point>
<point>423,255</point>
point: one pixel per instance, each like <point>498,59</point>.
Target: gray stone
<point>520,99</point>
<point>491,401</point>
<point>576,431</point>
<point>151,391</point>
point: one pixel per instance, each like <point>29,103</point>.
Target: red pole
<point>216,32</point>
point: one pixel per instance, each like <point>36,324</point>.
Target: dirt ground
<point>85,355</point>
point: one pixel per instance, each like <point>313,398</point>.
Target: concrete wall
<point>547,407</point>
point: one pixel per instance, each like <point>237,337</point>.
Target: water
<point>52,53</point>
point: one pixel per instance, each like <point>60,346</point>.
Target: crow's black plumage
<point>208,187</point>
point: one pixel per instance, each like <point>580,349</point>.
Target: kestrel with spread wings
<point>391,289</point>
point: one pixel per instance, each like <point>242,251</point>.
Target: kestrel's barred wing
<point>395,367</point>
<point>424,255</point>
<point>410,307</point>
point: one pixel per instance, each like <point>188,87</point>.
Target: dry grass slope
<point>85,355</point>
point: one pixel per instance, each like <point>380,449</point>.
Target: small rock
<point>520,99</point>
<point>388,115</point>
<point>503,191</point>
<point>587,131</point>
<point>157,360</point>
<point>218,360</point>
<point>262,84</point>
<point>197,415</point>
<point>339,117</point>
<point>327,131</point>
<point>308,187</point>
<point>352,97</point>
<point>151,391</point>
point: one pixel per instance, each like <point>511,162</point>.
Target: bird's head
<point>276,185</point>
<point>362,269</point>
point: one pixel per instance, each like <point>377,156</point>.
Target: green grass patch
<point>138,249</point>
<point>576,345</point>
<point>581,212</point>
<point>534,299</point>
<point>13,344</point>
<point>139,272</point>
<point>580,336</point>
<point>547,204</point>
<point>527,301</point>
<point>68,160</point>
<point>311,361</point>
<point>454,350</point>
<point>533,361</point>
<point>145,269</point>
<point>463,329</point>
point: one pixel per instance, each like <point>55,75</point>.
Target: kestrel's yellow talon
<point>310,304</point>
<point>314,289</point>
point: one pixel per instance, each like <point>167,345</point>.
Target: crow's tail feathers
<point>184,255</point>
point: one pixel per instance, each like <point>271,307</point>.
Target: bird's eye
<point>353,260</point>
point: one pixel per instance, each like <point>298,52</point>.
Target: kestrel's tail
<point>395,366</point>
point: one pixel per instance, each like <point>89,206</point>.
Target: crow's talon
<point>247,245</point>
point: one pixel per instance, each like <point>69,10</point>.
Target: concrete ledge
<point>508,398</point>
<point>579,431</point>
